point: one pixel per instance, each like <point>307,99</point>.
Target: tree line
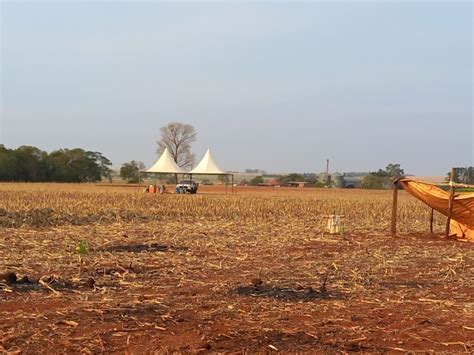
<point>382,179</point>
<point>30,164</point>
<point>463,175</point>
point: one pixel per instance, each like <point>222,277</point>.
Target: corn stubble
<point>62,204</point>
<point>250,272</point>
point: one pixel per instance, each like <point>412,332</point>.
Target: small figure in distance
<point>162,189</point>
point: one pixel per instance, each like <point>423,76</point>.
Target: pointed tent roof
<point>207,166</point>
<point>166,165</point>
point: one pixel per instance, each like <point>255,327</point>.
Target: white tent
<point>207,166</point>
<point>166,165</point>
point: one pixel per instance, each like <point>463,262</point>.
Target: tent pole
<point>226,184</point>
<point>450,202</point>
<point>394,209</point>
<point>232,184</point>
<point>431,220</point>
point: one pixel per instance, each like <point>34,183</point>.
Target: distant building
<point>338,180</point>
<point>270,183</point>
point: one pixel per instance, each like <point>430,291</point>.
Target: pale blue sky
<point>278,86</point>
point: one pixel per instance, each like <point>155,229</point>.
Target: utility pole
<point>328,177</point>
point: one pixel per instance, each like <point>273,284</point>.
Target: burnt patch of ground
<point>285,293</point>
<point>10,282</point>
<point>141,248</point>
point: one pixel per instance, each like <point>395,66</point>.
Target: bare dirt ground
<point>230,284</point>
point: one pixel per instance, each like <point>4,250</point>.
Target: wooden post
<point>431,220</point>
<point>394,209</point>
<point>451,201</point>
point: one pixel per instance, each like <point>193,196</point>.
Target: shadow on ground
<point>141,248</point>
<point>46,283</point>
<point>285,293</point>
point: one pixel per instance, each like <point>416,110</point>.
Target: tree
<point>8,164</point>
<point>77,165</point>
<point>131,171</point>
<point>223,179</point>
<point>381,179</point>
<point>291,177</point>
<point>30,164</point>
<point>373,181</point>
<point>463,175</point>
<point>394,171</point>
<point>103,164</point>
<point>319,184</point>
<point>177,137</point>
<point>256,181</point>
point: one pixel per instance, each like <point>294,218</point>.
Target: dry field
<point>253,272</point>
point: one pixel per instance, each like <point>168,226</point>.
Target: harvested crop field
<point>251,272</point>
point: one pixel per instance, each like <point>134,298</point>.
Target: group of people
<point>153,189</point>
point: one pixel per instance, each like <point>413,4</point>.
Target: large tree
<point>131,171</point>
<point>382,178</point>
<point>394,171</point>
<point>177,137</point>
<point>77,165</point>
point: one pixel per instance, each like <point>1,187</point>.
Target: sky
<point>280,86</point>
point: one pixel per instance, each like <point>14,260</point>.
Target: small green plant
<point>81,250</point>
<point>342,230</point>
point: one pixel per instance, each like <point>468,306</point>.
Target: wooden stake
<point>450,202</point>
<point>431,220</point>
<point>394,209</point>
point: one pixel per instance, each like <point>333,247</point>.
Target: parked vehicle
<point>186,186</point>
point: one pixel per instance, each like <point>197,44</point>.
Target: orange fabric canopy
<point>462,214</point>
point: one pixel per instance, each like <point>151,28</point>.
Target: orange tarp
<point>462,215</point>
